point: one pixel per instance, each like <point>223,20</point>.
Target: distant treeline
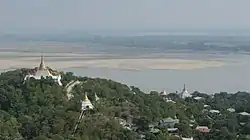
<point>151,43</point>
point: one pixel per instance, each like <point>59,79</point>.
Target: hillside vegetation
<point>40,110</point>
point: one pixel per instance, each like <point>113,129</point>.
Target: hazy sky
<point>122,14</point>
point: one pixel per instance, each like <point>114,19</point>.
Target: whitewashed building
<point>43,71</point>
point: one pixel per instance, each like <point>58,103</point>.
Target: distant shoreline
<point>217,73</point>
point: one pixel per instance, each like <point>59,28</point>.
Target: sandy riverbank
<point>114,63</point>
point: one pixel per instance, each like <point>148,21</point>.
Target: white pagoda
<point>43,71</point>
<point>86,104</point>
<point>184,93</point>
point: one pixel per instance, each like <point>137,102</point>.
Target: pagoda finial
<point>86,97</point>
<point>42,65</point>
<point>184,87</point>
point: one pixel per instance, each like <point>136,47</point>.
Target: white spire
<point>184,92</point>
<point>96,97</point>
<point>164,92</point>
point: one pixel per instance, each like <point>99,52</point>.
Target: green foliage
<point>40,110</point>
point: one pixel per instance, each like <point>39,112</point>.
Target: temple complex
<point>43,71</point>
<point>86,104</point>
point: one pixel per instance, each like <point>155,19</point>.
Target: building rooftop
<point>198,98</point>
<point>172,129</point>
<point>231,109</point>
<point>214,111</point>
<point>244,113</point>
<point>206,105</point>
<point>203,129</point>
<point>170,120</point>
<point>187,138</point>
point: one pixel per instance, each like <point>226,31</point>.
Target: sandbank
<point>114,63</point>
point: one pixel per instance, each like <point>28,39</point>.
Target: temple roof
<point>231,109</point>
<point>244,113</point>
<point>203,129</point>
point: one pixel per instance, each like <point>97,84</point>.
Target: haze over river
<point>205,67</point>
<point>231,77</point>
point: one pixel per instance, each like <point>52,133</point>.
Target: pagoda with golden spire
<point>43,71</point>
<point>86,104</point>
<point>42,65</point>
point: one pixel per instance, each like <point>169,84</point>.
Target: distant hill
<point>145,43</point>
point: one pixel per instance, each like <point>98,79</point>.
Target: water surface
<point>232,77</point>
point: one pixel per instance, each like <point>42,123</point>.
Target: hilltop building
<point>86,104</point>
<point>43,71</point>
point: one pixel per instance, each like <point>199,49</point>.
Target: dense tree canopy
<point>41,110</point>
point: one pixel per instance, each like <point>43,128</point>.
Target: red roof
<point>203,129</point>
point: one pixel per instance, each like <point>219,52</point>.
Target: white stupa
<point>86,104</point>
<point>96,97</point>
<point>43,71</point>
<point>184,93</point>
<point>164,93</point>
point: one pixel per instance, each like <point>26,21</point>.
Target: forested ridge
<point>41,110</point>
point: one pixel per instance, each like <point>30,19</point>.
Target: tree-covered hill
<point>41,110</point>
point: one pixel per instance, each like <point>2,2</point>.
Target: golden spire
<point>86,97</point>
<point>42,65</point>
